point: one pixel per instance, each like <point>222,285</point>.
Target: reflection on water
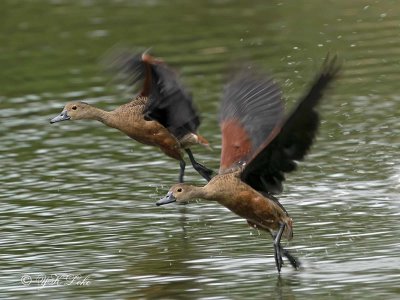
<point>78,198</point>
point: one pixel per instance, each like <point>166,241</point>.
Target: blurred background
<point>79,198</point>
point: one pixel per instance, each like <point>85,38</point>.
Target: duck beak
<point>169,198</point>
<point>61,117</point>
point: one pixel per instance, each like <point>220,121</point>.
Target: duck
<point>162,114</point>
<point>260,144</point>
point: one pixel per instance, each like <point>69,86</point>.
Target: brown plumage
<point>161,115</point>
<point>259,145</point>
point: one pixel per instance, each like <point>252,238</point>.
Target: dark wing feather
<point>276,156</point>
<point>251,108</point>
<point>126,67</point>
<point>168,102</point>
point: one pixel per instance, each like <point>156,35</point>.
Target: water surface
<point>78,198</point>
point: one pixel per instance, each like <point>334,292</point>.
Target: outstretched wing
<point>292,140</point>
<point>251,108</point>
<point>168,102</point>
<point>126,67</point>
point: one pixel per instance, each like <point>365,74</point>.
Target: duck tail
<point>202,141</point>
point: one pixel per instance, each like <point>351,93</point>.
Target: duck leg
<point>182,164</point>
<point>293,260</point>
<point>279,250</point>
<point>202,170</point>
<point>278,247</point>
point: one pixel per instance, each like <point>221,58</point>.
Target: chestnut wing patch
<point>265,171</point>
<point>251,107</point>
<point>236,144</point>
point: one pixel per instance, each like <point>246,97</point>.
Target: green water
<point>78,198</point>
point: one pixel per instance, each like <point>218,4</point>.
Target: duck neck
<point>103,116</point>
<point>200,192</point>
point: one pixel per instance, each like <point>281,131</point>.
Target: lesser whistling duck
<point>162,114</point>
<point>259,145</point>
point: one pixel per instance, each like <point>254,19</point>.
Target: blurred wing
<point>168,102</point>
<point>125,66</point>
<point>251,108</point>
<point>278,155</point>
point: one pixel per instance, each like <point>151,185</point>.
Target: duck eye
<point>179,190</point>
<point>74,107</point>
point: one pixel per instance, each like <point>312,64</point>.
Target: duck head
<point>179,193</point>
<point>72,111</point>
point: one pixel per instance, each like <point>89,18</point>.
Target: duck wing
<point>292,138</point>
<point>126,67</point>
<point>169,103</point>
<point>167,100</point>
<point>251,108</point>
